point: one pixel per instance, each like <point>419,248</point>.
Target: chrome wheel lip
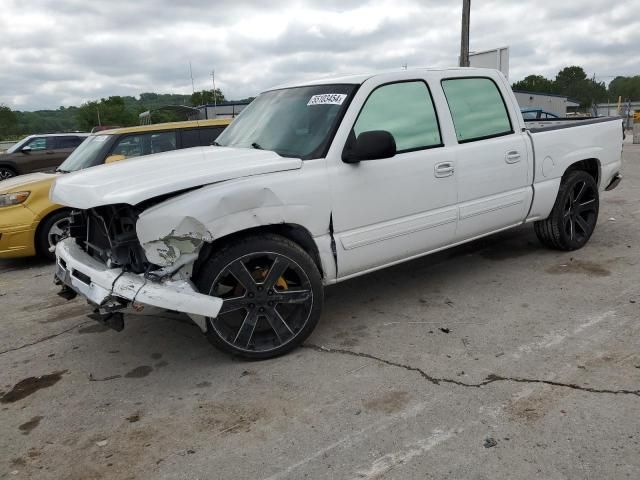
<point>225,269</point>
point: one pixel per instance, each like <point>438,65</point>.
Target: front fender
<point>180,226</point>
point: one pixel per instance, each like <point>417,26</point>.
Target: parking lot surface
<point>496,359</point>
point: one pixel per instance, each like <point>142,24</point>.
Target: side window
<point>405,110</point>
<point>145,144</point>
<point>67,142</point>
<point>163,142</point>
<point>477,108</point>
<point>38,143</point>
<point>190,138</point>
<point>209,135</point>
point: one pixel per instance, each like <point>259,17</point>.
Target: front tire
<point>272,296</point>
<point>574,214</point>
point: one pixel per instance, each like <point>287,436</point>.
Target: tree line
<point>574,83</point>
<point>116,110</point>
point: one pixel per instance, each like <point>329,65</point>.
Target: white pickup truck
<point>320,182</point>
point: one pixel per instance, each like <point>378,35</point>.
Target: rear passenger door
<point>492,160</point>
<point>62,148</point>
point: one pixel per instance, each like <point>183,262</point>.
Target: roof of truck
<point>361,78</point>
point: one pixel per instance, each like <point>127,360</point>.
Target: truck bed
<point>536,126</point>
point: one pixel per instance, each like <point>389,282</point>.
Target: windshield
<point>293,122</point>
<point>88,154</point>
<point>17,146</point>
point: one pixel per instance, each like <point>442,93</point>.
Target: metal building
<point>549,102</point>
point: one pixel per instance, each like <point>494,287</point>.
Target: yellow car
<point>30,224</point>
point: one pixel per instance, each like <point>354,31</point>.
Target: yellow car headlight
<point>15,198</point>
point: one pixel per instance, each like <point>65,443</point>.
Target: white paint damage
<point>105,283</point>
<point>180,246</point>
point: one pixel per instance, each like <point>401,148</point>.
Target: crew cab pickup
<point>320,182</point>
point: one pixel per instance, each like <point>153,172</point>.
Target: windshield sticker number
<point>327,99</point>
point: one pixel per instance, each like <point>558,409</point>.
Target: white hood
<point>135,180</point>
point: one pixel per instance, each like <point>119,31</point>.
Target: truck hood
<point>25,182</point>
<point>135,180</point>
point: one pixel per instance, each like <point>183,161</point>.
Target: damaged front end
<point>103,260</point>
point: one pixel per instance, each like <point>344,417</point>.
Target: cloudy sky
<point>65,52</point>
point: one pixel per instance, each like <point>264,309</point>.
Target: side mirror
<point>372,145</point>
<point>114,158</point>
<point>26,149</point>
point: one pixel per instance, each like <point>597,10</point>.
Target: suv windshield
<point>293,122</point>
<point>88,154</point>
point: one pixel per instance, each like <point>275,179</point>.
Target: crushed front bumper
<point>102,285</point>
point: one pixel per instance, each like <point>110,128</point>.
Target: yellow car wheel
<point>50,231</point>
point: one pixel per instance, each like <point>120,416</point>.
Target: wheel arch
<point>10,166</point>
<point>590,165</point>
<point>294,232</point>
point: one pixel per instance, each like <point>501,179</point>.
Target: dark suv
<point>37,153</point>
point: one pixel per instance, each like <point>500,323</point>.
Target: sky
<point>66,52</point>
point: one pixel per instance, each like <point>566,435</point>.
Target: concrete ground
<point>497,359</point>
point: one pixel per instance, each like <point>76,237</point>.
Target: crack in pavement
<point>490,378</point>
<point>48,337</point>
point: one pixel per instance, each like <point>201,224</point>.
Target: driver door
<point>388,210</point>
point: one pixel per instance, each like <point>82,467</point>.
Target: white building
<point>549,102</point>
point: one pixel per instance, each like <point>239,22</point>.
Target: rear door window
<point>196,137</point>
<point>145,144</point>
<point>208,135</point>
<point>67,142</point>
<point>190,138</point>
<point>477,108</point>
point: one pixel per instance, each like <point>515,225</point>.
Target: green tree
<point>573,82</point>
<point>626,87</point>
<point>206,96</point>
<point>8,122</point>
<point>108,111</point>
<point>535,83</point>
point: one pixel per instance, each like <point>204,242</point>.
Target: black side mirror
<point>26,149</point>
<point>372,145</point>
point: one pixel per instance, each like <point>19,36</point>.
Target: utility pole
<point>464,36</point>
<point>215,96</point>
<point>193,88</point>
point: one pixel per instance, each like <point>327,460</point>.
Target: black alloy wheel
<point>272,296</point>
<point>574,215</point>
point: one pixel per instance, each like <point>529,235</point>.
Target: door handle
<point>50,152</point>
<point>444,169</point>
<point>512,157</point>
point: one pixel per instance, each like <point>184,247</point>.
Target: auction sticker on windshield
<point>327,99</point>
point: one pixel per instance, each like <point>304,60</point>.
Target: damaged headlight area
<point>108,233</point>
<point>104,261</point>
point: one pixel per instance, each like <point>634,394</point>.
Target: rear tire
<point>272,296</point>
<point>50,232</point>
<point>574,214</point>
